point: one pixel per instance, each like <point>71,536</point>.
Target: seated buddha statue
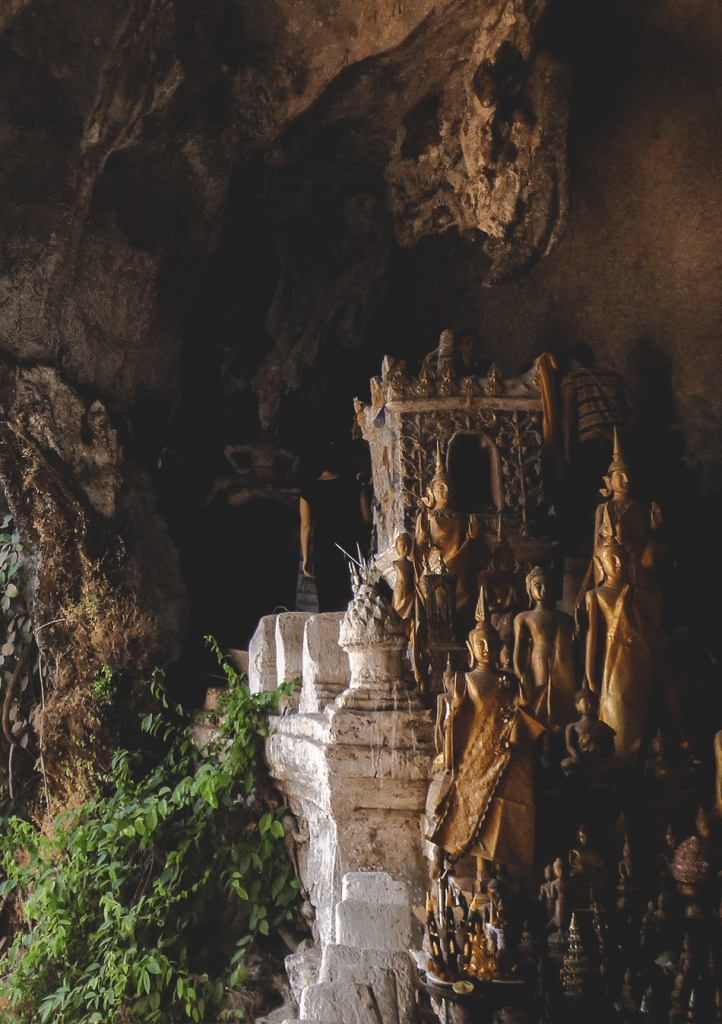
<point>447,540</point>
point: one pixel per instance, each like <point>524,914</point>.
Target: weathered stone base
<point>366,975</point>
<point>355,773</point>
<point>357,784</point>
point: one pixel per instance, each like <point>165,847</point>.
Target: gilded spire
<point>618,462</point>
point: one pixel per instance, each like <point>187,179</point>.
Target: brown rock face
<point>217,217</point>
<point>462,125</point>
<point>120,132</point>
<point>489,153</point>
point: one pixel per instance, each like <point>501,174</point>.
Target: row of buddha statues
<point>616,643</point>
<point>600,942</point>
<point>590,697</point>
<point>594,685</point>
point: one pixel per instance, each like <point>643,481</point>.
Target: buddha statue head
<point>404,545</point>
<point>538,585</point>
<point>440,490</point>
<point>613,562</point>
<point>586,702</point>
<point>484,642</point>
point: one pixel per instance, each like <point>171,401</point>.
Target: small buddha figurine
<point>527,946</point>
<point>543,655</point>
<point>583,860</point>
<point>590,743</point>
<point>560,895</point>
<point>447,705</point>
<point>628,891</point>
<point>545,891</point>
<point>494,386</point>
<point>405,585</point>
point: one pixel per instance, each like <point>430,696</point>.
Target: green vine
<point>112,903</point>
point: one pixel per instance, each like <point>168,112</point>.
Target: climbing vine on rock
<point>126,906</point>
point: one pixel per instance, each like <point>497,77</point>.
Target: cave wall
<point>637,273</point>
<point>217,218</point>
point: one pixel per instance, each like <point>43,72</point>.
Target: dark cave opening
<point>250,564</point>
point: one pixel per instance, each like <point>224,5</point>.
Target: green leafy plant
<point>113,901</point>
<point>103,687</point>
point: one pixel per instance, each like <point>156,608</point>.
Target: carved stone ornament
<point>373,635</point>
<point>370,620</point>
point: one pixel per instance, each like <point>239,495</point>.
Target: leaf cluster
<point>112,898</point>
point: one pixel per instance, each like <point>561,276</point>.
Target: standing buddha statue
<point>543,655</point>
<point>627,521</point>
<point>486,806</point>
<point>622,650</point>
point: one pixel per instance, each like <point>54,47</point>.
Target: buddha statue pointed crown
<point>619,462</point>
<point>441,475</point>
<point>484,626</point>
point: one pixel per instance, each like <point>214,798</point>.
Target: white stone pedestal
<point>326,671</point>
<point>355,774</point>
<point>366,976</point>
<point>357,781</point>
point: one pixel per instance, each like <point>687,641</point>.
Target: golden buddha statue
<point>447,704</point>
<point>623,641</point>
<point>486,806</point>
<point>628,522</point>
<point>405,585</point>
<point>543,655</point>
<point>445,538</point>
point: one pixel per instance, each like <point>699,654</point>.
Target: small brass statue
<point>405,585</point>
<point>622,649</point>
<point>543,655</point>
<point>488,807</point>
<point>545,891</point>
<point>560,895</point>
<point>590,743</point>
<point>447,705</point>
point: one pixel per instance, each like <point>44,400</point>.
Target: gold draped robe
<point>623,647</point>
<point>486,806</point>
